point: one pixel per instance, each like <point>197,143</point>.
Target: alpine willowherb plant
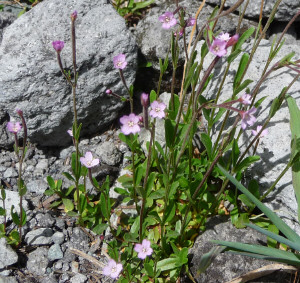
<point>172,186</point>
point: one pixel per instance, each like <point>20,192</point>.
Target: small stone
<point>58,238</point>
<point>10,173</point>
<point>39,237</point>
<point>37,186</point>
<point>55,252</point>
<point>9,279</point>
<point>60,223</point>
<point>78,278</point>
<point>45,220</point>
<point>7,255</point>
<point>108,153</point>
<point>38,261</point>
<point>75,266</point>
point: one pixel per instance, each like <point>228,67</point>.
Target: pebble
<point>39,237</point>
<point>58,238</point>
<point>7,255</point>
<point>38,261</point>
<point>55,252</point>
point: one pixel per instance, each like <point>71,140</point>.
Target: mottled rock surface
<point>30,78</point>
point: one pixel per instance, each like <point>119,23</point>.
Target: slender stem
<point>129,93</point>
<point>287,167</point>
<point>144,195</point>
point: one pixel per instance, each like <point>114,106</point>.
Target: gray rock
<point>9,279</point>
<point>58,238</point>
<point>108,153</point>
<point>7,255</point>
<point>286,10</point>
<point>39,237</point>
<point>79,278</point>
<point>274,149</point>
<point>30,78</point>
<point>10,173</point>
<point>55,252</point>
<point>154,41</point>
<point>45,220</point>
<point>37,186</point>
<point>78,238</point>
<point>13,199</point>
<point>38,261</point>
<point>224,267</point>
<point>6,19</point>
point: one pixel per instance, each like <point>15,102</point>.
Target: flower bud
<point>145,99</point>
<point>58,45</point>
<point>233,40</point>
<point>108,91</point>
<point>74,15</point>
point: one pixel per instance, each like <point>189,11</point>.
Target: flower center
<point>167,19</point>
<point>130,124</point>
<point>157,109</point>
<point>144,250</point>
<point>119,64</point>
<point>113,270</point>
<point>217,48</point>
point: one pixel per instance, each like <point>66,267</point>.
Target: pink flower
<point>120,61</point>
<point>130,124</point>
<point>167,19</point>
<point>70,133</point>
<point>14,127</point>
<point>144,99</point>
<point>258,129</point>
<point>88,160</point>
<point>157,109</point>
<point>58,45</point>
<point>74,15</point>
<point>190,22</point>
<point>248,118</point>
<point>218,47</point>
<point>108,91</point>
<point>112,269</point>
<point>143,249</point>
<point>224,36</point>
<point>245,99</point>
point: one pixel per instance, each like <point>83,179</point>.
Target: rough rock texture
<point>225,266</point>
<point>274,149</point>
<point>38,261</point>
<point>7,255</point>
<point>286,10</point>
<point>154,41</point>
<point>30,78</point>
<point>6,19</point>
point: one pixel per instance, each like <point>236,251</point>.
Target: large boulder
<point>286,10</point>
<point>227,266</point>
<point>274,149</point>
<point>30,78</point>
<point>154,41</point>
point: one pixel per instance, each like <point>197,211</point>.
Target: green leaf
<point>235,152</point>
<point>142,5</point>
<point>150,183</point>
<point>295,132</point>
<point>2,211</point>
<point>100,228</point>
<point>153,96</point>
<point>233,55</point>
<point>246,163</point>
<point>276,104</point>
<point>170,212</point>
<point>242,86</point>
<point>14,215</point>
<point>240,71</point>
<point>262,252</point>
<point>3,194</point>
<point>173,114</point>
<point>244,37</point>
<point>149,269</point>
<point>189,76</point>
<point>205,139</point>
<point>167,264</point>
<point>280,224</point>
<point>69,206</point>
<point>51,182</point>
<point>135,226</point>
<point>169,132</point>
